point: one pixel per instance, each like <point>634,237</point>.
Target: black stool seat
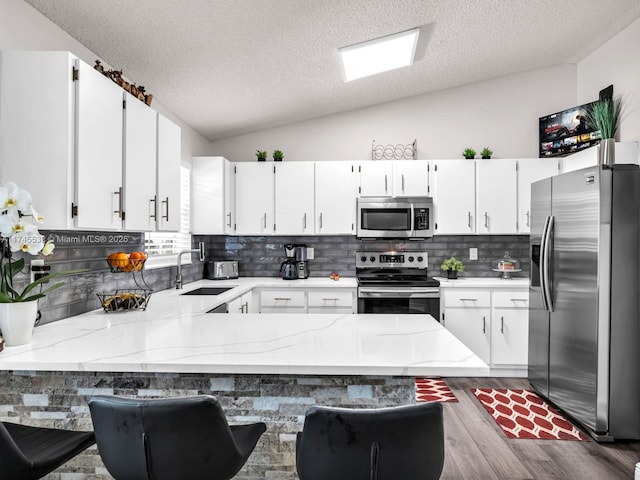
<point>29,453</point>
<point>185,438</point>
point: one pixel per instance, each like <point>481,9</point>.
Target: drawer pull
<point>484,324</point>
<point>518,299</point>
<point>501,324</point>
<point>330,299</point>
<point>281,298</point>
<point>468,299</point>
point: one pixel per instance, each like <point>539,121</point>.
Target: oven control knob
<point>420,259</point>
<point>373,259</point>
<point>363,259</point>
<point>411,259</point>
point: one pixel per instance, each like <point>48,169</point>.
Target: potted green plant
<point>452,266</point>
<point>604,116</point>
<point>469,153</point>
<point>262,155</point>
<point>485,153</point>
<point>278,155</point>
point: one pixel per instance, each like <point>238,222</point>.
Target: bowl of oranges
<point>126,262</point>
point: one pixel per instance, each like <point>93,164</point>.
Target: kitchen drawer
<point>467,298</point>
<point>511,299</point>
<point>331,298</point>
<point>282,298</point>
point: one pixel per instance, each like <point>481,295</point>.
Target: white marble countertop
<point>483,282</point>
<point>175,334</point>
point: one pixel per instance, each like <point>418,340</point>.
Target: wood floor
<point>476,448</point>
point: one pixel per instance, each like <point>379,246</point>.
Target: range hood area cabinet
<point>397,178</point>
<point>67,121</point>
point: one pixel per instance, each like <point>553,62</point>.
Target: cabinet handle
<point>528,218</point>
<point>403,183</point>
<point>265,221</point>
<point>484,324</point>
<point>282,298</point>
<point>518,299</point>
<point>120,203</point>
<point>304,219</point>
<point>469,217</point>
<point>468,299</point>
<point>385,184</point>
<point>330,299</point>
<point>245,307</point>
<point>154,210</point>
<point>486,220</point>
<point>166,202</point>
<point>321,221</point>
<point>501,324</point>
<point>229,217</point>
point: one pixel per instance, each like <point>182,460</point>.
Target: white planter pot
<point>17,321</point>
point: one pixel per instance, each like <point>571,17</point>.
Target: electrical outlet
<point>310,253</point>
<point>473,254</point>
<point>38,269</point>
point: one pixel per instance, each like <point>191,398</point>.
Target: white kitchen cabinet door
<point>496,196</point>
<point>472,326</point>
<point>242,304</point>
<point>211,196</point>
<point>139,165</point>
<point>255,190</point>
<point>531,170</point>
<point>294,198</point>
<point>510,328</point>
<point>37,122</point>
<point>410,178</point>
<point>376,178</point>
<point>335,198</point>
<point>454,196</point>
<point>98,156</point>
<point>168,165</point>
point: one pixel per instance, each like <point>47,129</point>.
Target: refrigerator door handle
<point>545,264</point>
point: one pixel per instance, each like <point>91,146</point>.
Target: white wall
<point>501,114</point>
<point>24,28</point>
<point>616,63</point>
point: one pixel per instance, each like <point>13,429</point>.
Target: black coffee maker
<point>289,268</point>
<point>301,261</point>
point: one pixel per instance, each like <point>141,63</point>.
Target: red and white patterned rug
<point>433,390</point>
<point>523,414</point>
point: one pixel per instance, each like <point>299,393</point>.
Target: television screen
<point>567,132</point>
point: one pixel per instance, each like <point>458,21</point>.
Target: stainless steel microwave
<point>397,217</point>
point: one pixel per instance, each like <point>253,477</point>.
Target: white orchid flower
<point>48,248</point>
<point>28,241</point>
<point>10,223</point>
<point>36,216</point>
<point>12,197</point>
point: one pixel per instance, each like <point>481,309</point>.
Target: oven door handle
<point>393,293</point>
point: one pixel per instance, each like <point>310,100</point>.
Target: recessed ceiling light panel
<point>379,55</point>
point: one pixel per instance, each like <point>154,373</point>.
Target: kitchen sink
<point>208,291</point>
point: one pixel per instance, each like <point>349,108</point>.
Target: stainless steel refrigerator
<point>584,329</point>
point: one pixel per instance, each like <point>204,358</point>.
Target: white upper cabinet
<point>376,178</point>
<point>294,198</point>
<point>335,198</point>
<point>453,190</point>
<point>168,177</point>
<point>531,170</point>
<point>255,190</point>
<point>37,120</point>
<point>410,178</point>
<point>496,193</point>
<point>212,196</point>
<point>98,165</point>
<point>139,165</point>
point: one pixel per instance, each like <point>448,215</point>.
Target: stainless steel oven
<point>396,283</point>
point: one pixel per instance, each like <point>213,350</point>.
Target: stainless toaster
<point>226,269</point>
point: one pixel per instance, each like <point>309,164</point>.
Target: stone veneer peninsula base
<point>59,399</point>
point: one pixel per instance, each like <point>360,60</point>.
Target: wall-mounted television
<point>567,131</point>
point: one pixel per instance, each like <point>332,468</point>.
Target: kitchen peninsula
<point>270,367</point>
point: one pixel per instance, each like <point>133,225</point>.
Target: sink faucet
<point>200,250</point>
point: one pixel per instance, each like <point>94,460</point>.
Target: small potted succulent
<point>452,266</point>
<point>485,153</point>
<point>262,155</point>
<point>278,155</point>
<point>469,153</point>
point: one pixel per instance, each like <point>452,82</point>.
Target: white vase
<point>17,321</point>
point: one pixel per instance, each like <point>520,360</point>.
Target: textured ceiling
<point>228,67</point>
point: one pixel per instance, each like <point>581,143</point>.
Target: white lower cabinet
<point>241,304</point>
<point>282,301</point>
<point>331,301</point>
<point>492,322</point>
<point>307,300</point>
